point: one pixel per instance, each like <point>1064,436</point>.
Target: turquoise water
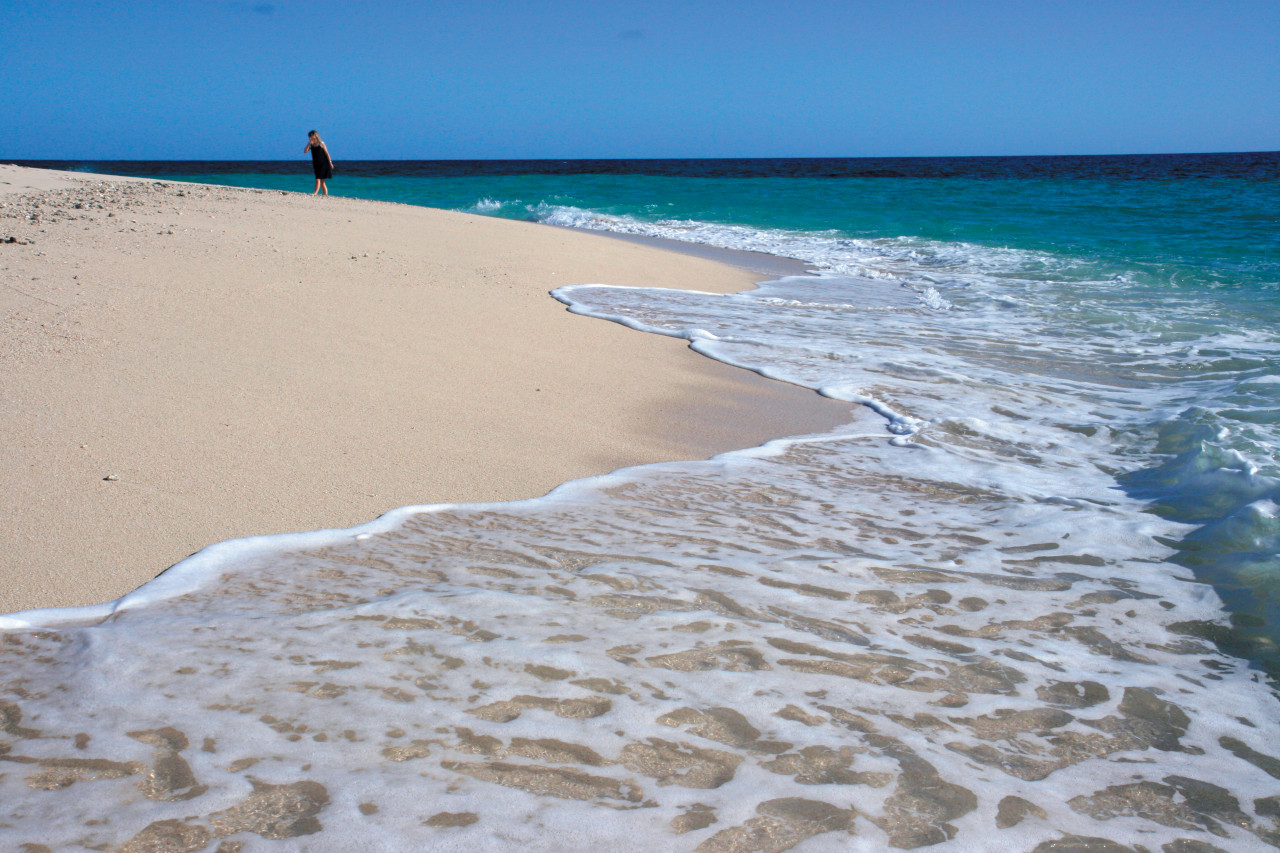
<point>1210,217</point>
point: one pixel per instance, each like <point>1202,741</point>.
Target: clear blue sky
<point>220,79</point>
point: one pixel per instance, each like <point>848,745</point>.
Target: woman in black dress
<point>321,162</point>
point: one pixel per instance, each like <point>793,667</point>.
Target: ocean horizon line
<point>19,160</point>
<point>1261,164</point>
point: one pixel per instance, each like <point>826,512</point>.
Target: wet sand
<point>183,364</point>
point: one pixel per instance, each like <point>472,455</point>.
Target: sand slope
<point>248,362</point>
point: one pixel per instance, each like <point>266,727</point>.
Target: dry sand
<point>243,362</point>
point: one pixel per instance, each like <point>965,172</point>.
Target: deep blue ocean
<point>1028,599</point>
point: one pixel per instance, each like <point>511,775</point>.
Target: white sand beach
<point>184,364</point>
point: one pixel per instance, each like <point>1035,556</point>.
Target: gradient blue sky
<point>219,79</point>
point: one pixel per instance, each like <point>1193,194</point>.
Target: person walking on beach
<point>321,162</point>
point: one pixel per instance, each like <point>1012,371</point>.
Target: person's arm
<point>325,149</point>
<point>306,147</point>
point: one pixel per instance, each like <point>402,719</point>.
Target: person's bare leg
<point>324,188</point>
<point>318,185</point>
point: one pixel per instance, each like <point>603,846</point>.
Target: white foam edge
<point>898,423</point>
<point>194,572</point>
